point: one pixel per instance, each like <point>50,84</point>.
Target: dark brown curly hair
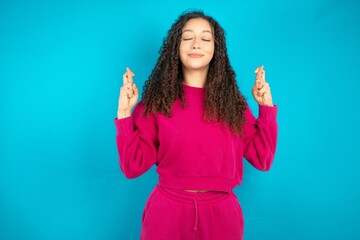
<point>223,100</point>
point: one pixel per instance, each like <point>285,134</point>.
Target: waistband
<point>188,197</point>
<point>193,198</point>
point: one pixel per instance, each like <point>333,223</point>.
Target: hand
<point>129,94</point>
<point>261,89</point>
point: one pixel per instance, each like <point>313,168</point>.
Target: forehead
<point>197,25</point>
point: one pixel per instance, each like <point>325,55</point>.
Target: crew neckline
<point>192,87</point>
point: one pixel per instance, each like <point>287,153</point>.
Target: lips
<point>195,55</point>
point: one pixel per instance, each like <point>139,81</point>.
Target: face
<point>197,44</point>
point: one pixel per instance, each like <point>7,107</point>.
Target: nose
<point>196,44</point>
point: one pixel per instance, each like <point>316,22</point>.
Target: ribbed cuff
<point>124,126</point>
<point>268,113</point>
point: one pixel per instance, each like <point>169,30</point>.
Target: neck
<point>195,78</point>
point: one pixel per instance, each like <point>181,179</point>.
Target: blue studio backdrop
<point>61,66</point>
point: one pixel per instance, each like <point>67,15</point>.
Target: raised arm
<point>261,133</point>
<point>136,135</point>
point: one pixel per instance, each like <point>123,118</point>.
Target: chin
<point>196,66</point>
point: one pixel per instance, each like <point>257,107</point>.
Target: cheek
<point>184,48</point>
<point>210,50</point>
<point>185,45</point>
<point>181,52</point>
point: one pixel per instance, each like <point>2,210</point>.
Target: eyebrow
<point>188,30</point>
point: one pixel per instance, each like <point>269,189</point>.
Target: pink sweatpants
<point>171,214</point>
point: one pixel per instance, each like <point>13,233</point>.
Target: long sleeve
<point>261,137</point>
<point>137,142</point>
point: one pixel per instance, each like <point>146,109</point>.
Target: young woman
<point>195,126</point>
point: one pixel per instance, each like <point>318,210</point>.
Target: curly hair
<point>223,100</point>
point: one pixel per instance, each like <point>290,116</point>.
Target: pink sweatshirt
<point>191,153</point>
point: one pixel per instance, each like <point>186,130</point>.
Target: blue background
<point>61,66</point>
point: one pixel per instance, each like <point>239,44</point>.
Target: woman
<point>196,126</point>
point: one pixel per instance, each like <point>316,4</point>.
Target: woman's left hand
<point>261,89</point>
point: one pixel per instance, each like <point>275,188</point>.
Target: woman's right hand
<point>129,94</point>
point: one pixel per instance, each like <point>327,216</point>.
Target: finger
<point>264,90</point>
<point>127,77</point>
<point>122,90</point>
<point>259,84</point>
<point>128,69</point>
<point>129,94</point>
<point>128,86</point>
<point>259,68</point>
<point>133,87</point>
<point>125,81</point>
<point>136,90</point>
<point>263,76</point>
<point>125,90</point>
<point>129,90</point>
<point>259,72</point>
<point>262,84</point>
<point>130,76</point>
<point>258,75</point>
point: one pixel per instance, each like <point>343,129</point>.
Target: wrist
<point>267,104</point>
<point>123,113</point>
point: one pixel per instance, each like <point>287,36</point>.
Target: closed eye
<point>187,39</point>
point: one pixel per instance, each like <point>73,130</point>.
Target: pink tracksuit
<point>193,154</point>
